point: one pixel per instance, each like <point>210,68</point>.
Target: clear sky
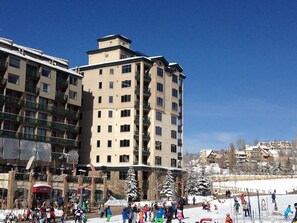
<point>239,56</point>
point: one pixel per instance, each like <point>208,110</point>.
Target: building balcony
<point>180,128</point>
<point>179,142</point>
<point>43,123</point>
<point>9,117</point>
<point>30,120</point>
<point>44,107</point>
<point>180,89</point>
<point>146,77</point>
<point>3,82</point>
<point>32,74</point>
<point>15,102</point>
<point>72,129</point>
<point>3,65</point>
<point>9,134</point>
<point>32,88</point>
<point>59,126</point>
<point>180,102</point>
<point>31,105</point>
<point>61,97</point>
<point>146,91</point>
<point>146,136</point>
<point>179,156</point>
<point>61,82</point>
<point>59,111</point>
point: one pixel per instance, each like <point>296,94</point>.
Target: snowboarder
<point>108,214</point>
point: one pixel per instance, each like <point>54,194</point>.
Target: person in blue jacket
<point>159,215</point>
<point>108,214</point>
<point>288,211</point>
<point>125,215</point>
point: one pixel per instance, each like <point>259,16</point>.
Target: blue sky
<point>240,57</point>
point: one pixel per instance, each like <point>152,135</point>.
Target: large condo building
<point>132,114</point>
<point>40,101</point>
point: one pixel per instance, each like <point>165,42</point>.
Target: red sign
<point>42,189</point>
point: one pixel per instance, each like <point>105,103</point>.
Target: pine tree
<point>192,180</point>
<point>131,185</point>
<point>203,186</point>
<point>168,184</point>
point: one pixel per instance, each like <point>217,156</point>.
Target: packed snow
<point>263,203</point>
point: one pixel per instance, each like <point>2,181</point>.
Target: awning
<point>42,188</point>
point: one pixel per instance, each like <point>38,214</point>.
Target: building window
<point>98,128</point>
<point>123,175</point>
<point>43,101</point>
<point>160,87</point>
<point>29,130</point>
<point>158,145</point>
<point>42,116</point>
<point>125,143</point>
<point>14,62</point>
<point>158,116</point>
<point>125,113</point>
<point>99,99</point>
<point>29,113</point>
<point>158,131</point>
<point>73,95</point>
<point>173,134</point>
<point>124,158</point>
<point>100,85</point>
<point>45,72</point>
<point>173,120</point>
<point>98,143</point>
<point>41,132</point>
<point>73,81</point>
<point>99,114</point>
<point>30,97</point>
<point>109,128</point>
<point>174,78</point>
<point>111,71</point>
<point>125,128</point>
<point>174,106</point>
<point>160,101</point>
<point>126,83</point>
<point>100,71</point>
<point>14,79</point>
<point>126,69</point>
<point>173,148</point>
<point>160,72</point>
<point>110,99</point>
<point>111,84</point>
<point>109,114</point>
<point>126,98</point>
<point>97,159</point>
<point>109,143</point>
<point>173,162</point>
<point>109,158</point>
<point>174,93</point>
<point>45,87</point>
<point>158,160</point>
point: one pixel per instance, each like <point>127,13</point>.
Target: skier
<point>245,207</point>
<point>194,200</point>
<point>108,214</point>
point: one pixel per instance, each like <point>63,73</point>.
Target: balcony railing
<point>33,74</point>
<point>3,65</point>
<point>32,88</point>
<point>3,82</point>
<point>61,97</point>
<point>30,104</point>
<point>61,82</point>
<point>146,90</point>
<point>146,77</point>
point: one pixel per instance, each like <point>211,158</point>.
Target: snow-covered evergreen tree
<point>203,186</point>
<point>192,180</point>
<point>168,185</point>
<point>131,185</point>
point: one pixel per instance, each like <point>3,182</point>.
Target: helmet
<point>228,214</point>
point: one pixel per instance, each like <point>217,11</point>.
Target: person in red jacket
<point>228,219</point>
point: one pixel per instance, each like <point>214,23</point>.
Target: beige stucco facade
<point>132,112</point>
